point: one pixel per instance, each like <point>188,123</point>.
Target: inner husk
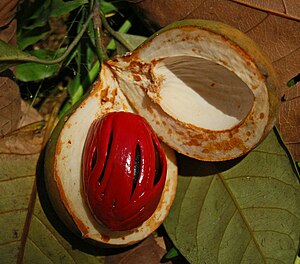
<point>217,98</point>
<point>203,95</point>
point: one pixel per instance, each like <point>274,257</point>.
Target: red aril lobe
<point>124,170</point>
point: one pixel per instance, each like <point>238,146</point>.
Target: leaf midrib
<point>27,224</point>
<point>239,210</point>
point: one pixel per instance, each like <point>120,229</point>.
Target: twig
<point>59,59</point>
<point>98,34</point>
<point>115,34</point>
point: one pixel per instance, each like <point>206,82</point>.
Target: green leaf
<point>294,80</point>
<point>35,71</point>
<point>60,7</point>
<point>171,254</point>
<point>9,55</point>
<point>245,211</point>
<point>108,7</point>
<point>33,18</point>
<point>78,87</point>
<point>122,30</point>
<point>34,13</point>
<point>27,220</point>
<point>75,89</point>
<point>31,37</point>
<point>134,40</point>
<point>297,260</point>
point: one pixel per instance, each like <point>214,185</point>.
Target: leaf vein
<point>259,23</point>
<point>247,246</point>
<point>10,242</point>
<point>17,178</point>
<point>248,177</point>
<point>276,260</point>
<point>213,179</point>
<point>239,209</point>
<point>271,208</point>
<point>276,13</point>
<point>13,211</point>
<point>223,233</point>
<point>181,205</point>
<point>287,55</point>
<point>269,153</point>
<point>54,237</point>
<point>278,232</point>
<point>33,242</point>
<point>19,154</point>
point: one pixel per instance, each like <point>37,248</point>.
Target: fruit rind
<point>193,40</point>
<point>63,174</point>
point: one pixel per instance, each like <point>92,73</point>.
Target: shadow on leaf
<point>191,167</point>
<point>75,241</point>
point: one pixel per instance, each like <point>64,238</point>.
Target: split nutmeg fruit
<point>207,91</point>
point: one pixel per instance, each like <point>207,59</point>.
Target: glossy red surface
<point>124,170</point>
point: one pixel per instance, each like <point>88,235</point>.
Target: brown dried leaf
<point>25,141</point>
<point>10,99</point>
<point>10,105</point>
<point>29,114</point>
<point>274,25</point>
<point>8,9</point>
<point>149,251</point>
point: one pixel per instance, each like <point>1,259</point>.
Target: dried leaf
<point>243,211</point>
<point>30,230</point>
<point>10,105</point>
<point>10,99</point>
<point>8,9</point>
<point>274,25</point>
<point>29,114</point>
<point>147,251</point>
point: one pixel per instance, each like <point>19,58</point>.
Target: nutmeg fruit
<point>205,88</point>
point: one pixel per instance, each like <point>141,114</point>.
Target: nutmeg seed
<point>124,170</point>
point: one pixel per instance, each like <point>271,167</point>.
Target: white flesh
<point>216,98</point>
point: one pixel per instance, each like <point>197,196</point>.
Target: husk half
<point>194,41</point>
<point>63,169</point>
<point>140,82</point>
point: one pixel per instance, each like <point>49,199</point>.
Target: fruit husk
<point>66,203</point>
<point>195,141</point>
<point>110,94</point>
<point>251,48</point>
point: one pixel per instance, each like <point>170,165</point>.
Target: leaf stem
<point>123,29</point>
<point>115,34</point>
<point>59,59</point>
<point>91,5</point>
<point>267,10</point>
<point>97,25</point>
